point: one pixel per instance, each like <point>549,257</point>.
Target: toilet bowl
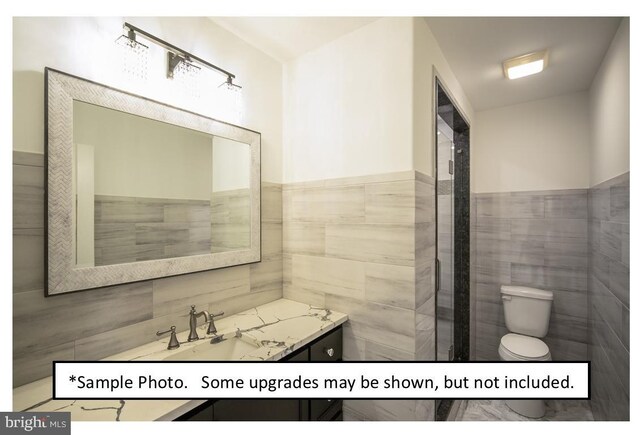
<point>527,311</point>
<point>516,347</point>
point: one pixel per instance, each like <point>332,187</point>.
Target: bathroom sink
<point>229,349</point>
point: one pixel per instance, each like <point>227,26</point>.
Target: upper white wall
<point>427,56</point>
<point>363,104</point>
<point>609,111</point>
<point>348,105</point>
<point>538,145</point>
<point>85,47</point>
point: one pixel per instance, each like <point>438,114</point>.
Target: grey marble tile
<point>566,350</point>
<point>563,278</point>
<point>266,275</point>
<point>390,285</point>
<point>114,234</point>
<point>594,234</point>
<point>550,228</point>
<point>619,200</point>
<point>611,310</point>
<point>609,400</point>
<point>424,282</point>
<point>599,203</point>
<point>599,267</point>
<point>568,328</point>
<point>569,302</point>
<point>28,260</point>
<point>390,203</point>
<point>497,410</point>
<point>527,205</point>
<point>389,244</point>
<point>488,293</point>
<point>493,272</point>
<point>425,202</point>
<point>379,352</point>
<point>271,240</point>
<point>345,204</point>
<point>104,344</point>
<point>245,301</point>
<point>64,318</point>
<point>615,362</point>
<point>173,294</point>
<point>303,238</point>
<point>28,197</point>
<point>488,339</point>
<point>492,229</point>
<point>36,363</point>
<point>497,205</point>
<point>566,252</point>
<point>494,250</point>
<point>382,410</point>
<point>312,298</point>
<point>566,205</point>
<point>28,159</point>
<point>625,244</point>
<point>271,202</point>
<point>490,312</point>
<point>377,322</point>
<point>619,281</point>
<point>529,251</point>
<point>611,240</point>
<point>425,410</point>
<point>353,347</point>
<point>329,275</point>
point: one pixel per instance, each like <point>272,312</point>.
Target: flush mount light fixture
<point>179,61</point>
<point>525,65</point>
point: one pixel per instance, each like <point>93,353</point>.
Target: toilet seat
<point>516,347</point>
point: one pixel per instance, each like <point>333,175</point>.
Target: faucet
<point>193,322</point>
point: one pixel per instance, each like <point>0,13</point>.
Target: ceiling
<point>475,48</point>
<point>285,38</point>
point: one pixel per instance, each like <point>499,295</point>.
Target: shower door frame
<point>461,230</point>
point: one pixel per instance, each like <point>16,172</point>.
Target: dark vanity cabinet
<point>327,348</point>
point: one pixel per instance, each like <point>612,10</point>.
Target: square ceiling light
<point>525,65</point>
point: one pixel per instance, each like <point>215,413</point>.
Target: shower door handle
<point>437,275</point>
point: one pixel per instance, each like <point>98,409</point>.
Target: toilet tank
<point>526,310</point>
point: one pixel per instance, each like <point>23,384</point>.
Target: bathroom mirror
<point>140,190</point>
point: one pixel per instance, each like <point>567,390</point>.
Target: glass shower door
<point>445,242</point>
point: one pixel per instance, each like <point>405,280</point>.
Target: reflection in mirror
<point>149,190</point>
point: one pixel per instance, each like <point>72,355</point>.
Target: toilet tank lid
<point>526,292</point>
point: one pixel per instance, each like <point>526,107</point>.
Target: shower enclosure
<point>453,235</point>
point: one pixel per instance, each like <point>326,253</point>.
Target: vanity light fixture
<point>178,65</point>
<point>525,65</point>
<point>135,55</point>
<point>180,62</point>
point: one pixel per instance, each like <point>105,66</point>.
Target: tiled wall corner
<point>537,239</point>
<point>365,246</point>
<point>97,323</point>
<point>609,298</point>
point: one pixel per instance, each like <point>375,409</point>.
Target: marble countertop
<point>277,329</point>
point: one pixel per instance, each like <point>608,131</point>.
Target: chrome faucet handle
<point>173,341</point>
<point>212,327</point>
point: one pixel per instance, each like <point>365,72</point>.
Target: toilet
<point>526,313</point>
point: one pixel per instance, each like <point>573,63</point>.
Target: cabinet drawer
<point>324,409</point>
<point>328,348</point>
<point>256,410</point>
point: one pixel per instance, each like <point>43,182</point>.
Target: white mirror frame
<point>61,90</point>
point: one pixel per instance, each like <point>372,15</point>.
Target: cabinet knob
<point>329,351</point>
